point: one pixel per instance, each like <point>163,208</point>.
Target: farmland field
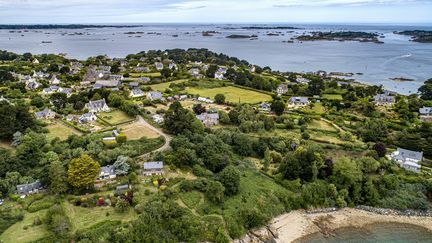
<point>150,75</point>
<point>332,96</point>
<point>164,86</point>
<point>136,131</point>
<point>115,117</point>
<point>61,131</point>
<point>232,94</point>
<point>25,231</point>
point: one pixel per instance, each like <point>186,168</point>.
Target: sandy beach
<point>292,226</point>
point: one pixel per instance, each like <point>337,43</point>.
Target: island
<point>422,36</point>
<point>341,36</point>
<point>240,36</point>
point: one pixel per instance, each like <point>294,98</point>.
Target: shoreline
<point>293,226</point>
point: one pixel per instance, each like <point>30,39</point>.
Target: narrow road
<point>167,137</point>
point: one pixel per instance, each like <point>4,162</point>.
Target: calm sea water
<point>386,232</point>
<point>398,57</point>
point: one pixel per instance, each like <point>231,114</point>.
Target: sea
<point>370,63</point>
<point>382,233</point>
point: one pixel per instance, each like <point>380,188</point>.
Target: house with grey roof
<point>297,102</point>
<point>117,77</point>
<point>282,89</point>
<point>154,95</point>
<point>142,69</point>
<point>136,93</point>
<point>425,114</point>
<point>54,80</point>
<point>133,84</point>
<point>67,92</point>
<point>384,99</point>
<point>107,173</point>
<point>407,159</point>
<point>195,72</point>
<point>97,106</point>
<point>144,79</point>
<point>153,168</point>
<point>108,83</point>
<point>122,188</point>
<point>265,106</point>
<point>45,114</point>
<point>31,188</point>
<point>87,117</point>
<point>209,119</point>
<point>159,66</point>
<point>32,84</point>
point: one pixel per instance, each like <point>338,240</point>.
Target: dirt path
<point>168,138</point>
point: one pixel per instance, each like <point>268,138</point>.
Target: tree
<point>14,118</point>
<point>166,72</point>
<point>230,179</point>
<point>211,71</point>
<point>121,165</point>
<point>16,139</point>
<point>381,149</point>
<point>179,120</point>
<point>83,171</point>
<point>219,98</point>
<point>304,163</point>
<point>198,109</point>
<point>215,191</point>
<point>278,106</point>
<point>59,100</point>
<point>58,179</point>
<point>37,101</point>
<point>315,86</point>
<point>373,130</point>
<point>426,90</point>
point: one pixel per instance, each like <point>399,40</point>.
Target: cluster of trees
<point>13,118</point>
<point>246,78</point>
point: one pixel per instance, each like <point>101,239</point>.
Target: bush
<point>41,204</point>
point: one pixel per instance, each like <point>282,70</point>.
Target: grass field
<point>332,96</point>
<point>232,94</point>
<point>60,130</point>
<point>82,218</point>
<point>150,75</point>
<point>16,233</point>
<point>191,199</point>
<point>319,124</point>
<point>115,117</point>
<point>164,86</point>
<point>136,131</point>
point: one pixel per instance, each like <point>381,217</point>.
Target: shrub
<point>41,204</point>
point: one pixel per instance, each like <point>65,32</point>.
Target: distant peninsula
<point>270,28</point>
<point>60,26</point>
<point>422,36</point>
<point>341,36</point>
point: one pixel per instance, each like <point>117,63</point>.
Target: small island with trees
<point>422,36</point>
<point>341,36</point>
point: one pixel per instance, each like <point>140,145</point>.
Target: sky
<point>215,11</point>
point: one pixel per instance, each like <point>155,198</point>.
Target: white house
<point>384,99</point>
<point>302,80</point>
<point>159,66</point>
<point>154,95</point>
<point>282,89</point>
<point>107,173</point>
<point>153,168</point>
<point>135,93</point>
<point>158,118</point>
<point>296,102</point>
<point>87,117</point>
<point>45,114</point>
<point>54,80</point>
<point>265,106</point>
<point>407,159</point>
<point>426,113</point>
<point>202,99</point>
<point>209,119</point>
<point>97,106</point>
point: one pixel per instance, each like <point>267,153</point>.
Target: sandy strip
<point>296,224</point>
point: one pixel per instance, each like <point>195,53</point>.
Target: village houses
<point>297,102</point>
<point>384,99</point>
<point>282,89</point>
<point>209,119</point>
<point>46,114</point>
<point>153,168</point>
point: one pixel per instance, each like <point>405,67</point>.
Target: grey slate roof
<point>426,111</point>
<point>108,170</point>
<point>44,113</point>
<point>27,188</point>
<point>96,105</point>
<point>384,98</point>
<point>153,165</point>
<point>298,100</point>
<point>211,116</point>
<point>154,95</point>
<point>405,154</point>
<point>108,83</point>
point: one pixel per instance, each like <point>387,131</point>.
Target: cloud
<point>332,3</point>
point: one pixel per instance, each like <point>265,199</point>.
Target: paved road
<point>167,137</point>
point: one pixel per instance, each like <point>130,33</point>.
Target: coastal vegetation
<point>341,36</point>
<point>240,144</point>
<point>422,36</point>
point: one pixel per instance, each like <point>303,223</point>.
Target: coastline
<point>293,226</point>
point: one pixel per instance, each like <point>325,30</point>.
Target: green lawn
<point>60,130</point>
<point>150,75</point>
<point>191,199</point>
<point>232,94</point>
<point>332,96</point>
<point>115,116</point>
<point>16,233</point>
<point>82,218</point>
<point>319,124</point>
<point>163,86</point>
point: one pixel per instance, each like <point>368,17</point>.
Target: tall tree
<point>83,171</point>
<point>58,178</point>
<point>426,90</point>
<point>230,179</point>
